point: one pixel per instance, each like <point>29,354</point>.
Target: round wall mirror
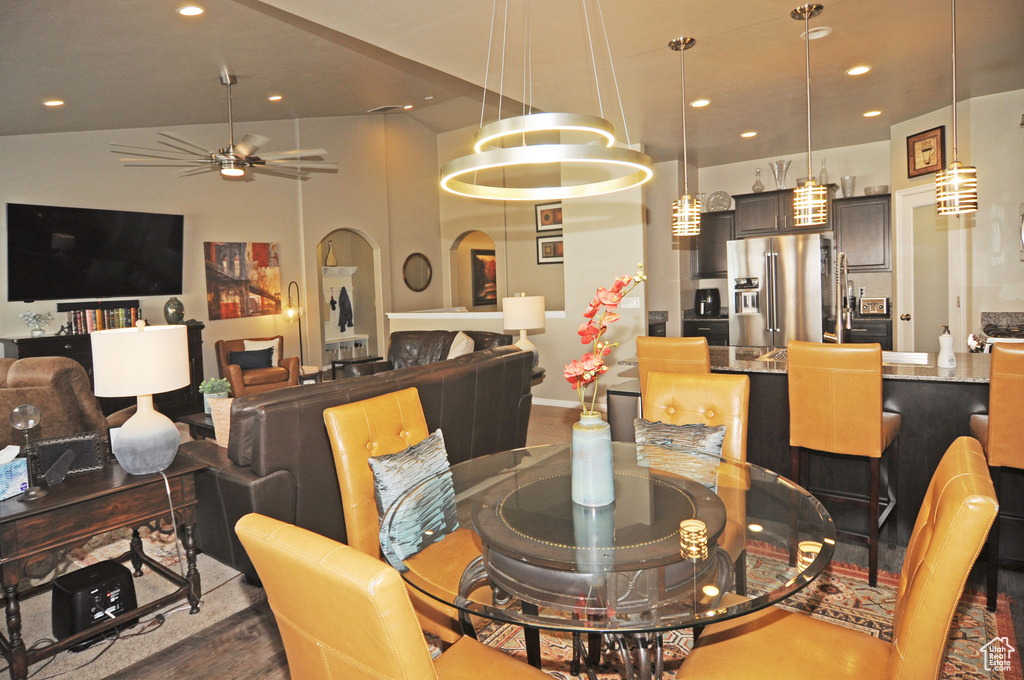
<point>416,272</point>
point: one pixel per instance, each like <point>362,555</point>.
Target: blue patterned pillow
<point>689,437</point>
<point>432,516</point>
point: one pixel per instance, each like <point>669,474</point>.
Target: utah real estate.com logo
<point>997,653</point>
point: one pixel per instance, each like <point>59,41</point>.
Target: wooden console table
<point>35,535</point>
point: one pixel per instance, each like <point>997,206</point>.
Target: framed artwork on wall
<point>926,152</point>
<point>484,266</point>
<point>549,216</point>
<point>242,279</point>
<point>549,249</point>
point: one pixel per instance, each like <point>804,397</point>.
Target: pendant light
<point>685,211</point>
<point>481,174</point>
<point>810,202</point>
<point>956,187</point>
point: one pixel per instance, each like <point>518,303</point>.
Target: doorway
<point>349,293</point>
<point>930,286</point>
<point>476,282</point>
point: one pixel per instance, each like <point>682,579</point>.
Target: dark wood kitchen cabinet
<point>871,330</point>
<point>709,252</point>
<point>771,212</point>
<point>715,330</point>
<point>863,232</point>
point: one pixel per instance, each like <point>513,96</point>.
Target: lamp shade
<point>523,313</point>
<point>129,362</point>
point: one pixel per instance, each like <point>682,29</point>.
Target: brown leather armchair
<point>379,426</point>
<point>343,614</point>
<point>775,644</point>
<point>251,381</point>
<point>59,387</point>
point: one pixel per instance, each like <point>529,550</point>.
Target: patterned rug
<point>841,595</point>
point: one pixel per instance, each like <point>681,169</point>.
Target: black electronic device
<point>89,596</point>
<point>60,253</point>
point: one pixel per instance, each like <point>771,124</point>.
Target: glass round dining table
<point>689,540</point>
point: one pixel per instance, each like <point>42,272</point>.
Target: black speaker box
<point>89,596</point>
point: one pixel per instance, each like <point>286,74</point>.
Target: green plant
<point>214,386</point>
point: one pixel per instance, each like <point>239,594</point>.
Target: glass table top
<point>528,555</point>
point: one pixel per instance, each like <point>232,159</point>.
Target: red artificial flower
<point>609,298</point>
<point>591,362</point>
<point>621,282</point>
<point>591,310</point>
<point>609,317</point>
<point>573,372</point>
<point>588,332</point>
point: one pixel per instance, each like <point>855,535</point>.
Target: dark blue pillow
<point>254,358</point>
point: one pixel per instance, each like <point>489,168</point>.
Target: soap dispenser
<point>946,357</point>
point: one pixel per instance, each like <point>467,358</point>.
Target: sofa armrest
<point>368,368</point>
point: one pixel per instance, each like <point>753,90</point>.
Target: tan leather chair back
<point>671,355</point>
<point>958,510</point>
<point>708,399</point>
<point>1006,406</point>
<point>373,427</point>
<point>341,613</point>
<point>224,348</point>
<point>835,397</point>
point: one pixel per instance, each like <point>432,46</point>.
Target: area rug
<point>224,593</point>
<point>841,595</point>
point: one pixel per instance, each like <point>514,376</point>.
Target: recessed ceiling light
<point>749,134</point>
<point>274,97</point>
<point>190,11</point>
<point>872,114</point>
<point>429,98</point>
<point>858,70</point>
<point>817,33</point>
<point>698,103</point>
<point>54,102</point>
<point>407,107</point>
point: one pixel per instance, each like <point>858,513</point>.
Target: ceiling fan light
<point>686,216</point>
<point>956,189</point>
<point>232,169</point>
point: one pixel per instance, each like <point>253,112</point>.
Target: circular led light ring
<point>541,154</point>
<point>543,122</point>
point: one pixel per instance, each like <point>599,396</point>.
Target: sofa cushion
<point>264,376</point>
<point>274,345</point>
<point>250,359</point>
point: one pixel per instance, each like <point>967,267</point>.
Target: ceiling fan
<point>233,161</point>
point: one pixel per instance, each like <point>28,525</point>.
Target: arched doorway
<point>475,274</point>
<point>349,296</point>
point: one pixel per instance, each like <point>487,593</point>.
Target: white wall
<point>668,257</point>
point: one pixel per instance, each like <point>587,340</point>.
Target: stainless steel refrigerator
<point>780,289</point>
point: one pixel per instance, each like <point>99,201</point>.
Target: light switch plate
<point>630,303</point>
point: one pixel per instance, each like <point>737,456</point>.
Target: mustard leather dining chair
<point>671,355</point>
<point>344,614</point>
<point>835,406</point>
<point>1001,433</point>
<point>775,644</point>
<point>712,399</point>
<point>378,426</point>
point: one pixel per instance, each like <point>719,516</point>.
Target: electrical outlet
<point>630,303</point>
<point>861,292</point>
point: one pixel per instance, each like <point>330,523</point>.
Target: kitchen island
<point>936,405</point>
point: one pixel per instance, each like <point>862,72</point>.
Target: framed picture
<point>926,152</point>
<point>85,451</point>
<point>549,216</point>
<point>485,277</point>
<point>549,249</point>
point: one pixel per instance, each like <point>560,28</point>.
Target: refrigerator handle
<point>769,291</point>
<point>775,297</point>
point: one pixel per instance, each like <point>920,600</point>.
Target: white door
<point>930,287</point>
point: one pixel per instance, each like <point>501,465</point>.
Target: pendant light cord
<point>487,66</point>
<point>953,13</point>
<point>807,66</point>
<point>682,88</point>
<point>593,59</point>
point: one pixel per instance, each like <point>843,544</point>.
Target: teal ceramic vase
<point>593,483</point>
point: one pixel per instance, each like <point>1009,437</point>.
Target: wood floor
<point>248,646</point>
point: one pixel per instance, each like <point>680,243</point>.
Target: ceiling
<point>129,64</point>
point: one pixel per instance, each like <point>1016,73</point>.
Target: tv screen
<point>58,253</point>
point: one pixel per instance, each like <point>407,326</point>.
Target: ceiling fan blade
<point>179,140</point>
<point>190,159</point>
<point>287,173</point>
<point>197,171</point>
<point>294,153</point>
<point>146,163</point>
<point>285,163</point>
<point>249,143</point>
<point>146,148</point>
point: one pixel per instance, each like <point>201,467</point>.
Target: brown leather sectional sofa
<point>416,348</point>
<point>279,461</point>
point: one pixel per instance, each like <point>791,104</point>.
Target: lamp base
<point>524,344</point>
<point>147,442</point>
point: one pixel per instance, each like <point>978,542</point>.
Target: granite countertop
<point>691,315</point>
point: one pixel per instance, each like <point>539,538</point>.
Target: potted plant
<point>213,388</point>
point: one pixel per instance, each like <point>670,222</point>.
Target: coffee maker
<point>707,303</point>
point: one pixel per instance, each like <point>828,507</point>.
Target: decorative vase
<point>37,332</point>
<point>330,260</point>
<point>823,175</point>
<point>758,184</point>
<point>593,482</point>
<point>207,396</point>
<point>174,311</point>
<point>779,169</point>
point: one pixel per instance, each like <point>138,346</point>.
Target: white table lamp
<point>140,362</point>
<point>521,314</point>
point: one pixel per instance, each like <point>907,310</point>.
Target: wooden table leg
<point>195,590</point>
<point>135,545</point>
<point>532,636</point>
<point>18,660</point>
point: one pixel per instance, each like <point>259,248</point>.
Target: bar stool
<point>671,355</point>
<point>1001,434</point>
<point>835,406</point>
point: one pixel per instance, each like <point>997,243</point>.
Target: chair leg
<point>992,566</point>
<point>741,573</point>
<point>794,464</point>
<point>873,525</point>
<point>532,636</point>
<point>893,467</point>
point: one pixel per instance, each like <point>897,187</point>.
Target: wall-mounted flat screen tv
<point>59,253</point>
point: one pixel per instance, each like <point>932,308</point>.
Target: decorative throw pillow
<point>257,358</point>
<point>264,344</point>
<point>432,516</point>
<point>689,437</point>
<point>462,344</point>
